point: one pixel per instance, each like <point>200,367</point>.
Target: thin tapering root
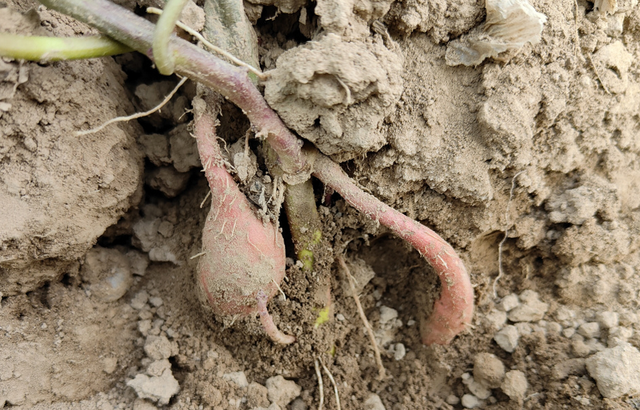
<point>267,322</point>
<point>506,235</point>
<point>452,312</point>
<point>333,383</point>
<point>320,384</point>
<point>372,338</point>
<point>136,115</point>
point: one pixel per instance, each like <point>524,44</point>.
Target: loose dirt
<point>97,301</point>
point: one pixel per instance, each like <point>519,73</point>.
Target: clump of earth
<point>527,162</point>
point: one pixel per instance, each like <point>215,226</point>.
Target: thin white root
<point>279,288</point>
<point>333,383</point>
<point>320,385</point>
<point>506,235</point>
<point>136,115</point>
<point>197,255</point>
<point>363,317</point>
<point>235,60</point>
<point>205,199</point>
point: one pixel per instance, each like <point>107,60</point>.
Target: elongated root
<point>267,322</point>
<point>453,311</point>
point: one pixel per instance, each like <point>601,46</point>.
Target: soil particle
<point>337,93</point>
<point>488,370</point>
<point>281,391</point>
<point>616,371</point>
<point>373,402</point>
<point>530,310</point>
<point>515,385</point>
<point>507,338</point>
<point>159,389</point>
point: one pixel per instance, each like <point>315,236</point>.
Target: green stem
<point>304,221</point>
<point>166,23</point>
<point>36,48</point>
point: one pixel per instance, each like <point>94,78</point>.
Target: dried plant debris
<point>510,24</point>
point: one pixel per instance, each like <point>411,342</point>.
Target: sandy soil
<point>97,302</point>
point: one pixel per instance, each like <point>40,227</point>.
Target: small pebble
<point>554,327</point>
<point>159,389</point>
<point>452,399</point>
<point>515,385</point>
<point>488,370</point>
<point>566,368</point>
<point>158,367</point>
<point>628,318</point>
<point>510,302</point>
<point>340,317</point>
<point>531,310</point>
<point>239,378</point>
<point>590,330</point>
<point>282,391</point>
<point>155,301</point>
<point>299,404</point>
<point>158,347</point>
<point>399,352</point>
<point>618,335</point>
<point>580,348</point>
<point>140,300</point>
<point>469,401</point>
<point>144,326</point>
<point>507,338</point>
<point>387,314</point>
<point>568,332</point>
<point>373,402</point>
<point>607,319</point>
<point>496,319</point>
<point>565,317</point>
<point>615,371</point>
<point>478,389</point>
<point>524,329</point>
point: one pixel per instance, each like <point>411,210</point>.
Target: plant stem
<point>166,23</point>
<point>227,26</point>
<point>36,48</point>
<point>304,222</point>
<point>201,66</point>
<point>452,312</point>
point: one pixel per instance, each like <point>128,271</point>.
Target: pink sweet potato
<point>244,258</point>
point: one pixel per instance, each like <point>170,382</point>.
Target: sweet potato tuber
<point>244,258</point>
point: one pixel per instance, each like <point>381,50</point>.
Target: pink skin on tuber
<point>453,311</point>
<point>244,258</point>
